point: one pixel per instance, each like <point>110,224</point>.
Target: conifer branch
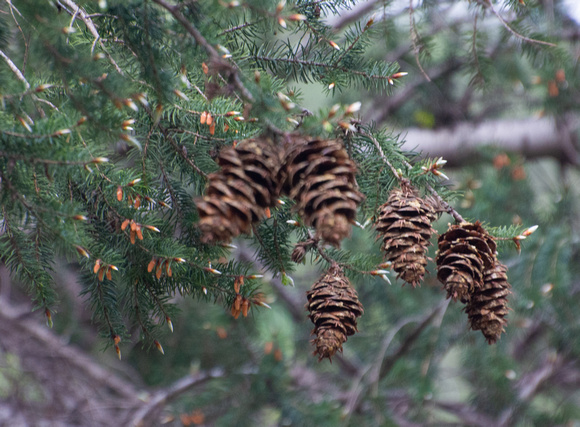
<point>351,46</point>
<point>86,18</point>
<point>212,52</point>
<point>238,27</point>
<point>319,64</point>
<point>33,136</point>
<point>156,299</point>
<point>448,208</point>
<point>104,309</point>
<point>33,160</point>
<point>382,154</point>
<point>22,259</point>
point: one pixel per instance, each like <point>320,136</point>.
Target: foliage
<point>113,115</point>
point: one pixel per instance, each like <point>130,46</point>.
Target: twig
<point>86,18</point>
<point>382,154</point>
<point>356,14</point>
<point>15,70</point>
<point>448,208</point>
<point>352,45</point>
<point>414,35</point>
<point>489,4</point>
<point>212,52</point>
<point>146,415</point>
<point>321,252</point>
<point>238,27</point>
<point>319,64</point>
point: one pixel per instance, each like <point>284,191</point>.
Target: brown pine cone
<point>334,309</point>
<point>487,307</point>
<point>320,177</point>
<point>238,194</point>
<point>404,224</point>
<point>465,251</point>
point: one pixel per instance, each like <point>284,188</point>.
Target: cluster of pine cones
<point>317,174</point>
<point>467,263</point>
<point>320,177</point>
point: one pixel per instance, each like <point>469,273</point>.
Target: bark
<point>463,143</point>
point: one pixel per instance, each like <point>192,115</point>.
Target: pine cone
<point>320,177</point>
<point>465,251</point>
<point>404,224</point>
<point>334,308</point>
<point>238,194</point>
<point>487,308</point>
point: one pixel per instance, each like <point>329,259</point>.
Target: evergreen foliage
<point>113,116</point>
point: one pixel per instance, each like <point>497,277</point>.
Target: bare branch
<point>461,144</point>
<point>15,70</point>
<point>28,327</point>
<point>414,37</point>
<point>381,367</point>
<point>148,414</point>
<point>488,3</point>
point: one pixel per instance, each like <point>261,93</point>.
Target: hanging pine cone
<point>334,308</point>
<point>404,224</point>
<point>465,251</point>
<point>238,194</point>
<point>320,177</point>
<point>487,307</point>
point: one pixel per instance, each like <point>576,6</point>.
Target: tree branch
<point>15,70</point>
<point>86,18</point>
<point>212,52</point>
<point>147,415</point>
<point>461,144</point>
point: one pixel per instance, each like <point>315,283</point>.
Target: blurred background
<point>505,115</point>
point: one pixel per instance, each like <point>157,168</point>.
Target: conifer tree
<point>169,153</point>
<point>138,139</point>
